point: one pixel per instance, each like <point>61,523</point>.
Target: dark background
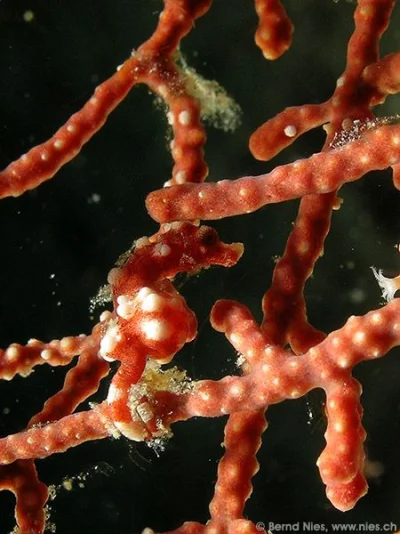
<point>49,68</point>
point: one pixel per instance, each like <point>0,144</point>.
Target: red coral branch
<point>281,357</point>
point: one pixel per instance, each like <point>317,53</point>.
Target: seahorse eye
<point>208,236</point>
